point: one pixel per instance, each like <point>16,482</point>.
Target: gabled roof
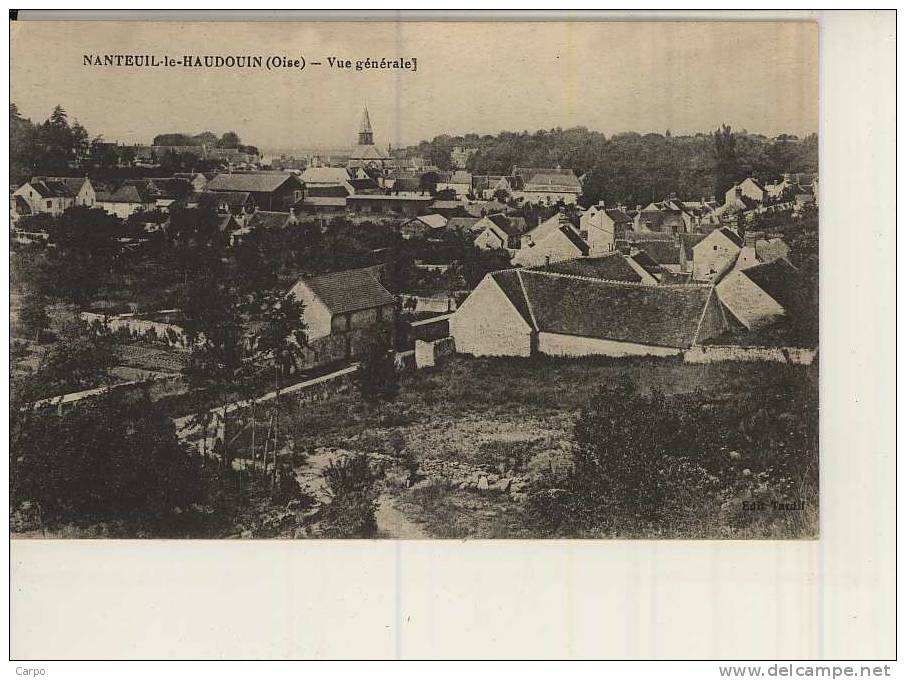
<point>267,219</point>
<point>733,236</point>
<point>21,206</point>
<point>325,175</point>
<point>662,252</point>
<point>432,221</point>
<point>642,259</point>
<point>618,216</point>
<point>348,291</point>
<point>548,176</point>
<point>508,225</point>
<point>73,185</point>
<point>462,223</point>
<point>261,182</point>
<point>51,189</point>
<point>688,242</point>
<point>610,267</point>
<point>664,316</point>
<point>575,239</point>
<point>213,199</point>
<point>779,279</point>
<point>127,193</point>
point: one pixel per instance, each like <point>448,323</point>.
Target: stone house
<point>54,195</point>
<point>548,185</point>
<point>341,303</point>
<point>562,243</point>
<point>715,254</point>
<point>601,227</point>
<point>750,187</point>
<point>127,200</point>
<point>523,312</point>
<point>277,191</point>
<point>493,232</point>
<point>761,295</point>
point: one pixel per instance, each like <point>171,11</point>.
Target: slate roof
<point>618,216</point>
<point>348,291</point>
<point>663,316</point>
<point>779,279</point>
<point>213,199</point>
<point>575,239</point>
<point>553,176</point>
<point>610,267</point>
<point>261,182</point>
<point>267,219</point>
<point>662,252</point>
<point>733,236</point>
<point>461,223</point>
<point>324,175</point>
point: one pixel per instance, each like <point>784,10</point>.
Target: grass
<point>517,415</point>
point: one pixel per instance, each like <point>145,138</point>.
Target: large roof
<point>325,175</point>
<point>664,316</point>
<point>368,152</point>
<point>347,291</point>
<point>262,182</point>
<point>779,279</point>
<point>610,267</point>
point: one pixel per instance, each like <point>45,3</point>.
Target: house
<point>269,220</point>
<point>238,203</point>
<point>127,200</point>
<point>687,243</point>
<point>610,267</point>
<point>547,185</point>
<point>494,232</point>
<point>522,312</point>
<point>663,217</point>
<point>760,296</point>
<point>342,302</point>
<point>18,208</point>
<point>487,186</point>
<point>715,254</point>
<point>750,188</point>
<point>422,225</point>
<point>462,225</point>
<point>600,227</point>
<point>563,243</point>
<point>53,195</point>
<point>768,250</point>
<point>196,179</point>
<point>327,177</point>
<point>459,182</point>
<point>405,204</point>
<point>269,190</point>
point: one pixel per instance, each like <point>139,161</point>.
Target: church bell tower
<point>366,134</point>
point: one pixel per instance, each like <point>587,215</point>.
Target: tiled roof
<point>662,252</point>
<point>779,279</point>
<point>611,267</point>
<point>461,223</point>
<point>644,260</point>
<point>348,291</point>
<point>325,175</point>
<point>618,216</point>
<point>72,184</point>
<point>267,219</point>
<point>213,199</point>
<point>332,191</point>
<point>664,316</point>
<point>733,236</point>
<point>264,182</point>
<point>559,176</point>
<point>433,221</point>
<point>575,239</point>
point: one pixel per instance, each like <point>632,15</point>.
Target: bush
<point>351,482</point>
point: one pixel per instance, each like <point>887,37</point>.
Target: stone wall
<point>705,354</point>
<point>429,353</point>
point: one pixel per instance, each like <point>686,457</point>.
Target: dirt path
<point>394,524</point>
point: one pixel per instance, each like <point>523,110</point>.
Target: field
<point>512,422</point>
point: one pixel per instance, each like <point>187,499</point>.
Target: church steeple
<point>366,134</point>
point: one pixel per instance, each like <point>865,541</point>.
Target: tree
<point>81,359</point>
<point>377,378</point>
<point>229,140</point>
<point>108,459</point>
<point>726,170</point>
<point>33,315</point>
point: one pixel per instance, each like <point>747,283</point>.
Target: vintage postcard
<point>414,280</point>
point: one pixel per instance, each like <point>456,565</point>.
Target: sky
<point>471,77</point>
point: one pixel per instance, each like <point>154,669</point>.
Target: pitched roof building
<point>520,312</point>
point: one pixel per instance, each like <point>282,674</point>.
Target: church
<point>365,154</point>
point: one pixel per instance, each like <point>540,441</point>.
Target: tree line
<point>633,168</point>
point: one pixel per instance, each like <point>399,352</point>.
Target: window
<point>50,204</point>
<point>715,247</point>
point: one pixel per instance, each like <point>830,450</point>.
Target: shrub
<point>351,483</point>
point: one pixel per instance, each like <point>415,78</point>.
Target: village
<point>332,326</point>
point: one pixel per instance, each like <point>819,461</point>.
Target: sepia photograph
<point>414,280</point>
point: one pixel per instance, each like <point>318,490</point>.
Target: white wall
<point>316,315</point>
<point>748,303</point>
<point>487,324</point>
<point>555,344</point>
